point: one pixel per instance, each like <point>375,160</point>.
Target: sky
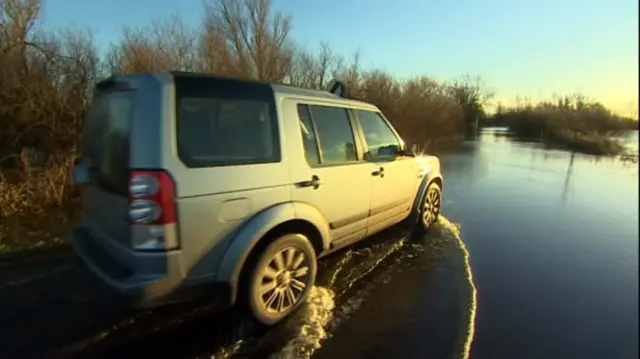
<point>520,48</point>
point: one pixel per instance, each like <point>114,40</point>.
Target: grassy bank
<point>28,233</point>
<point>573,123</point>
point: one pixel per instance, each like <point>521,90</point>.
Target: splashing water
<point>321,315</point>
<point>451,230</point>
<point>311,324</point>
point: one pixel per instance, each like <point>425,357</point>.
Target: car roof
<point>283,89</point>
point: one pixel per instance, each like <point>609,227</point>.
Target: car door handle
<point>314,182</point>
<point>379,172</point>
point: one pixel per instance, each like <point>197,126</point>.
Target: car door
<point>394,178</point>
<point>329,171</point>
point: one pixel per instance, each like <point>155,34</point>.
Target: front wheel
<point>282,278</point>
<point>430,208</point>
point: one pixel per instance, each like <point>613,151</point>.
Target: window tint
<point>106,137</point>
<point>225,122</point>
<point>377,133</point>
<point>334,133</point>
<point>215,131</point>
<point>308,136</point>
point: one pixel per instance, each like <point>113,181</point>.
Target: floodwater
<point>552,239</point>
<point>553,242</point>
<point>57,309</point>
<point>536,257</point>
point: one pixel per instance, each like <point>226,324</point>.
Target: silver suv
<point>198,185</point>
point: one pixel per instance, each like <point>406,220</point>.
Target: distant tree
<point>471,93</point>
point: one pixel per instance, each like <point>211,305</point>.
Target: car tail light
<point>152,209</point>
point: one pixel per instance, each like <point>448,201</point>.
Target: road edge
<point>36,255</point>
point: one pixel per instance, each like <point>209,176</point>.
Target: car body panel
<point>347,182</point>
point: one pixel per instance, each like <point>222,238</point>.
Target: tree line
<point>47,76</point>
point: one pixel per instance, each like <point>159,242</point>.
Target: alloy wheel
<point>283,280</point>
<point>431,208</point>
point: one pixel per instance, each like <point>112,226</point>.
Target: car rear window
<point>106,137</point>
<point>225,122</point>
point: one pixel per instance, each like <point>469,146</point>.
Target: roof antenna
<point>337,88</point>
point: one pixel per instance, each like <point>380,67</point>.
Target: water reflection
<point>553,238</point>
<point>567,177</point>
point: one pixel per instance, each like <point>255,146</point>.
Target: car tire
<point>430,207</point>
<point>281,278</point>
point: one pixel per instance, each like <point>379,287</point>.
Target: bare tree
<point>17,18</point>
<point>160,46</point>
<point>351,74</point>
<point>258,40</point>
<point>215,54</point>
<point>471,93</point>
<point>425,111</point>
<point>45,82</point>
<point>313,70</point>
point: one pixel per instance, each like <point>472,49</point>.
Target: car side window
<point>311,151</point>
<point>377,133</point>
<point>222,122</point>
<point>214,131</point>
<point>335,135</point>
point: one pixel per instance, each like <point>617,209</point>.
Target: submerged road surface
<point>56,308</point>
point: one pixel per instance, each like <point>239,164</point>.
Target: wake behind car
<point>199,185</point>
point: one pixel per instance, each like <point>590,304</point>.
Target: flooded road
<point>553,242</point>
<point>553,249</point>
<point>57,309</point>
<point>537,258</point>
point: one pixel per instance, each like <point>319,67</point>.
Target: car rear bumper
<point>145,279</point>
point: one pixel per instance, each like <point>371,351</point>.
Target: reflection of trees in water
<point>565,189</point>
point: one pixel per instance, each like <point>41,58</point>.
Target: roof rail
<point>337,88</point>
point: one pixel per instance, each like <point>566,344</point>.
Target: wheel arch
<point>422,189</point>
<point>437,180</point>
<point>262,230</point>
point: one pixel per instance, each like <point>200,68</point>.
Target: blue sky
<point>526,48</point>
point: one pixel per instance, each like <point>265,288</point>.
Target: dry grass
<point>28,232</point>
<point>34,190</point>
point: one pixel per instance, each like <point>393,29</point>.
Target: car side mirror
<point>390,152</point>
<point>410,150</point>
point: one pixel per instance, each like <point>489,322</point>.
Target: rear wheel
<point>281,278</point>
<point>430,208</point>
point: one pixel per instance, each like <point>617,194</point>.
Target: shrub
<point>571,121</point>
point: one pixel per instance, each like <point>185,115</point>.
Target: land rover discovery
<point>199,185</point>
